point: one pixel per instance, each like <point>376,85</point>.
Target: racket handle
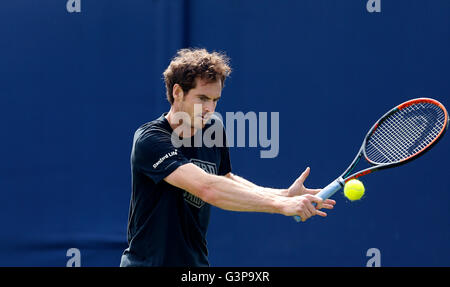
<point>327,192</point>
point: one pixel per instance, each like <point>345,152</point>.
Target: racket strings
<point>405,133</point>
<point>404,138</point>
<point>397,136</point>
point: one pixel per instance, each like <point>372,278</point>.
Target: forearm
<point>230,194</point>
<point>240,180</point>
<point>237,194</point>
<point>280,192</point>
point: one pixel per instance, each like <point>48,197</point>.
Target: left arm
<point>281,192</point>
<point>297,188</point>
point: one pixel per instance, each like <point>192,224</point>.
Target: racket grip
<point>327,192</point>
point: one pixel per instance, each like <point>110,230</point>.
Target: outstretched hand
<point>298,188</point>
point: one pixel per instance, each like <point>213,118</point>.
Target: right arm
<point>154,155</point>
<point>229,194</point>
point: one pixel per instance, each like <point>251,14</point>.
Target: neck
<point>174,122</point>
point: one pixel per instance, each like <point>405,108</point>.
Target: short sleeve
<point>155,156</point>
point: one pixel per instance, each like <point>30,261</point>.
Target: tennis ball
<point>354,189</point>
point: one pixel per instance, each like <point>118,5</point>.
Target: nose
<point>209,107</point>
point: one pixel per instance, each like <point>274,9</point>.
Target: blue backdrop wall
<point>75,86</point>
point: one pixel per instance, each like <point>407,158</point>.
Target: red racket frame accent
<point>378,166</point>
<point>430,101</point>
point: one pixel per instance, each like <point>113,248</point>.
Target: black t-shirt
<point>166,225</point>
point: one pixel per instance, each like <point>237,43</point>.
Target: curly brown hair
<point>189,64</point>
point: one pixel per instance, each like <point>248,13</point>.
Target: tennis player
<point>173,187</point>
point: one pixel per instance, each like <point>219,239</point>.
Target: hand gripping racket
<point>401,135</point>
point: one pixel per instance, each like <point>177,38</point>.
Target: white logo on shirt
<point>166,156</point>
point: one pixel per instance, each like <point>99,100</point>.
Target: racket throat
<point>332,188</point>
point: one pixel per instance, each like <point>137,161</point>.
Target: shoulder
<point>152,130</point>
<point>151,135</point>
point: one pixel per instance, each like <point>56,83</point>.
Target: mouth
<point>204,117</point>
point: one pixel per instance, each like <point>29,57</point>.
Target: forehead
<point>204,87</point>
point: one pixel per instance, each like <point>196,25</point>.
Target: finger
<point>311,208</point>
<point>315,199</point>
<point>307,213</point>
<point>312,191</point>
<point>330,201</point>
<point>303,216</point>
<point>306,210</point>
<point>321,213</point>
<point>326,206</point>
<point>304,175</point>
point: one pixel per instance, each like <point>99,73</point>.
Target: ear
<point>177,93</point>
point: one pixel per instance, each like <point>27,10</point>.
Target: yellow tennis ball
<point>354,189</point>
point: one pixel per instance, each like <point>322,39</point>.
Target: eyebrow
<point>205,96</point>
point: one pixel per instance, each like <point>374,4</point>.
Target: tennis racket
<point>401,135</point>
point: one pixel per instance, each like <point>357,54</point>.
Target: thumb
<point>304,175</point>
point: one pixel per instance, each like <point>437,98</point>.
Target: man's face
<point>200,102</point>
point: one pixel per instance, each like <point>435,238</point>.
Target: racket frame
<point>378,166</point>
<point>338,183</point>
